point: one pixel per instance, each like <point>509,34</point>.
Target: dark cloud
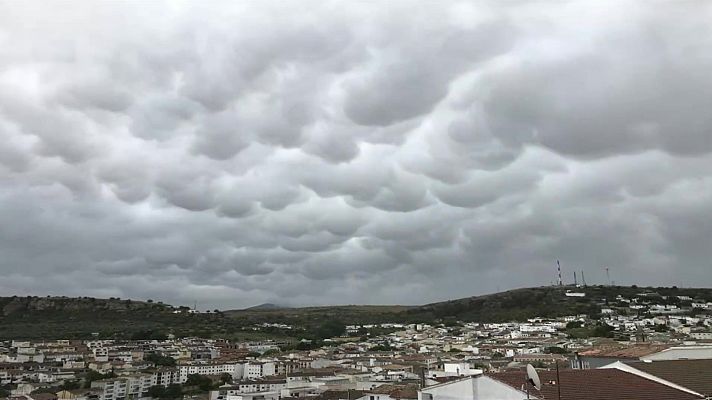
<point>314,153</point>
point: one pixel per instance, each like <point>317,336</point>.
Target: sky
<point>352,152</point>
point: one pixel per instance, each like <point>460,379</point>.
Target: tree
<point>157,392</point>
<point>329,329</point>
<point>225,378</point>
<point>309,345</point>
<point>173,391</point>
<point>92,376</point>
<point>160,360</point>
<point>70,385</point>
<point>271,352</point>
<point>557,350</point>
<point>148,334</point>
<point>382,347</point>
<point>574,325</point>
<point>202,382</point>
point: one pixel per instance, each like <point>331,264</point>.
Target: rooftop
<point>595,384</point>
<point>629,352</point>
<point>695,375</point>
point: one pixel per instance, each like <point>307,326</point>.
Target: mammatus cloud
<point>336,152</point>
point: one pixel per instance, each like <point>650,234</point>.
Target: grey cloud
<point>623,90</point>
<point>315,153</point>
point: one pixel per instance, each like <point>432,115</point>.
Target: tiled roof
<point>398,391</point>
<point>595,384</point>
<point>695,375</point>
<point>634,352</point>
<point>340,394</point>
<point>44,396</point>
<point>443,379</point>
<point>540,356</point>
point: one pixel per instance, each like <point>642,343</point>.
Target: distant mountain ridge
<point>64,317</point>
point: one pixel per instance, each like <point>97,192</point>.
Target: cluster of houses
<point>660,349</point>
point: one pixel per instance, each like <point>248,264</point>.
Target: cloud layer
<point>348,152</point>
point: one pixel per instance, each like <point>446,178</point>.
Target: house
<point>701,335</point>
<point>594,384</point>
<point>132,386</point>
<point>479,387</point>
<point>694,376</point>
<point>78,394</point>
<point>604,355</point>
<point>339,395</point>
<point>547,358</point>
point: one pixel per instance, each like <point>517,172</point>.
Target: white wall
<point>474,388</point>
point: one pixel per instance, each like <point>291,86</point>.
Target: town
<point>647,343</point>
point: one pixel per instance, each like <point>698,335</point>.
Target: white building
<point>478,387</point>
<point>701,335</point>
<point>128,387</point>
<point>256,370</point>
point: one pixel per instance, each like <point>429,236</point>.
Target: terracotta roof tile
<point>595,384</point>
<point>634,352</point>
<point>695,375</point>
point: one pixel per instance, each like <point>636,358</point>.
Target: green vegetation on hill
<point>32,317</point>
<point>59,317</point>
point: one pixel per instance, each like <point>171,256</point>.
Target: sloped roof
<point>406,391</point>
<point>340,394</point>
<point>628,352</point>
<point>695,375</point>
<point>595,384</point>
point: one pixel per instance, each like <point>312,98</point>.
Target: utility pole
<point>558,380</point>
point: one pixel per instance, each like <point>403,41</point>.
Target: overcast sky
<point>315,152</point>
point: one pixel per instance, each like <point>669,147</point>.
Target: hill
<point>61,317</point>
<point>33,317</point>
<point>266,306</point>
<point>512,305</point>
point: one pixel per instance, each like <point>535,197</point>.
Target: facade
<point>472,388</point>
<point>123,388</point>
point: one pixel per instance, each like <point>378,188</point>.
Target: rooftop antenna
<point>532,378</point>
<point>558,265</point>
<point>575,282</point>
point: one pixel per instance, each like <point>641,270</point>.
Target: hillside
<point>64,317</point>
<point>512,305</point>
<point>352,314</point>
<point>60,317</point>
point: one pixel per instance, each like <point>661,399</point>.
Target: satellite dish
<point>533,377</point>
